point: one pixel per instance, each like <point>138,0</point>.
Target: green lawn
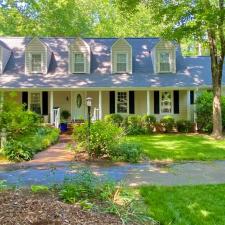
<point>187,205</point>
<point>180,146</point>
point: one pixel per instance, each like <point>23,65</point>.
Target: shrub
<point>24,147</point>
<point>128,152</point>
<point>17,151</point>
<point>86,186</point>
<point>116,119</point>
<point>204,110</point>
<point>65,114</point>
<point>39,188</point>
<point>184,126</point>
<point>103,137</point>
<point>168,123</point>
<point>133,125</point>
<point>148,122</point>
<point>17,121</point>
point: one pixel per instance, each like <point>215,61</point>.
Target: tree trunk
<point>217,116</point>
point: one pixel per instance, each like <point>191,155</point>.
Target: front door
<point>79,104</point>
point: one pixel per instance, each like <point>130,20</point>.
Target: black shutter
<point>131,102</point>
<point>156,102</point>
<point>176,108</point>
<point>25,99</point>
<point>45,103</point>
<point>112,102</point>
<point>192,97</point>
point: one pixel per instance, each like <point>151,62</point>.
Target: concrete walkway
<point>56,164</point>
<point>190,173</point>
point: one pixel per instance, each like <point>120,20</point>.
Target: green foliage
<point>133,125</point>
<point>148,122</point>
<point>39,188</point>
<point>116,119</point>
<point>17,121</point>
<point>91,192</point>
<point>168,123</point>
<point>3,185</point>
<point>128,152</point>
<point>86,186</point>
<point>204,110</point>
<point>65,114</point>
<point>104,137</point>
<point>184,126</point>
<point>24,147</point>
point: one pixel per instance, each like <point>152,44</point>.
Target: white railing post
<point>188,105</point>
<point>3,137</point>
<point>100,104</point>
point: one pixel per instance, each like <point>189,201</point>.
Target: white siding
<point>121,46</point>
<point>162,46</point>
<point>81,46</point>
<point>36,46</point>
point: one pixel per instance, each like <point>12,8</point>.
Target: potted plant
<point>65,114</point>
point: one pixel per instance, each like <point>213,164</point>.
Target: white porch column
<point>100,104</point>
<point>188,105</point>
<point>148,103</point>
<point>51,107</point>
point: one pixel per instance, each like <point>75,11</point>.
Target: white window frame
<point>29,99</point>
<point>172,103</point>
<point>73,62</point>
<point>170,60</point>
<point>31,55</point>
<point>125,53</point>
<point>116,101</point>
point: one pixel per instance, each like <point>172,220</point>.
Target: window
<point>122,102</point>
<point>35,102</point>
<point>121,62</point>
<point>166,102</point>
<point>36,63</point>
<point>78,63</point>
<point>164,62</point>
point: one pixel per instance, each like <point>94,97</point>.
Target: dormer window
<point>79,63</point>
<point>121,56</point>
<point>36,63</point>
<point>164,62</point>
<point>121,62</point>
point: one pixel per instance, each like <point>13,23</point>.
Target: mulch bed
<point>25,208</point>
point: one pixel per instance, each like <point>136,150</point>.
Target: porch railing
<point>56,117</point>
<point>95,114</point>
<point>193,113</point>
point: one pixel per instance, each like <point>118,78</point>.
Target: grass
<point>178,147</point>
<point>186,205</point>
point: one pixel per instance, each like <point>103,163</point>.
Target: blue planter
<point>63,127</point>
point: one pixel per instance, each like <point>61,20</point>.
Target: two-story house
<point>126,75</point>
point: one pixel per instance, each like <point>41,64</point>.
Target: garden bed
<point>23,208</point>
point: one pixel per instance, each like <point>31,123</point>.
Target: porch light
<point>89,101</point>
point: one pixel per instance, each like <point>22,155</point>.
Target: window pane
<point>36,63</point>
<point>35,104</point>
<point>78,62</point>
<point>121,62</point>
<point>166,102</point>
<point>164,61</point>
<point>79,57</point>
<point>122,102</point>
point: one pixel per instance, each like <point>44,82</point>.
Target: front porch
<point>178,103</point>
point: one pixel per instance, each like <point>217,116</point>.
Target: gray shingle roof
<point>191,71</point>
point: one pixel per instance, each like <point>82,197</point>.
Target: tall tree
<point>204,20</point>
